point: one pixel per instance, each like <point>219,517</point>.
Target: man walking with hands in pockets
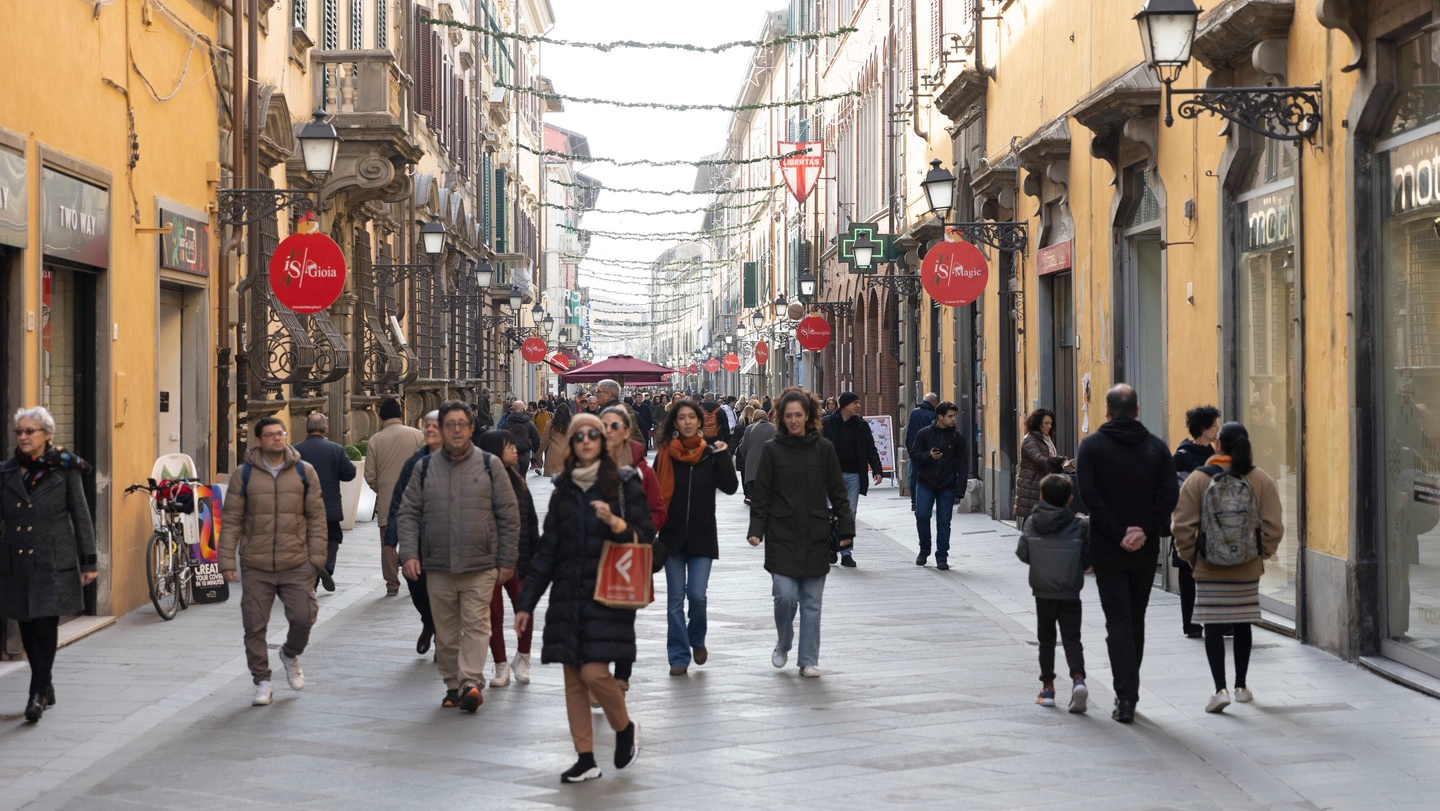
<point>1127,480</point>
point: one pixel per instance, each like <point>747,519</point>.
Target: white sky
<point>626,134</point>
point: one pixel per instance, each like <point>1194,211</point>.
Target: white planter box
<point>350,496</point>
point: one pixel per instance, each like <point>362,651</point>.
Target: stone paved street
<point>926,701</point>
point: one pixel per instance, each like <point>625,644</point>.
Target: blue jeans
<point>685,577</point>
<point>804,592</point>
<point>942,503</point>
<point>852,489</point>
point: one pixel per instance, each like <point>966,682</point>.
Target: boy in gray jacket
<point>1054,543</point>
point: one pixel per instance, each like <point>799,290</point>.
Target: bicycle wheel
<point>158,570</point>
<point>184,575</point>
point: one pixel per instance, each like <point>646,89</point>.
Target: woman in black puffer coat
<point>594,502</point>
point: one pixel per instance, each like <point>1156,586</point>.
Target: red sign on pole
<point>692,369</point>
<point>307,272</point>
<point>762,353</point>
<point>813,333</point>
<point>712,366</point>
<point>954,273</point>
<point>533,350</point>
<point>732,363</point>
<point>802,171</point>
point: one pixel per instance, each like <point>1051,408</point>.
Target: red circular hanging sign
<point>954,273</point>
<point>307,272</point>
<point>691,369</point>
<point>813,333</point>
<point>533,350</point>
<point>712,366</point>
<point>762,353</point>
<point>732,362</point>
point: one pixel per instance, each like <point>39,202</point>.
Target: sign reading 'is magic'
<point>307,270</point>
<point>954,272</point>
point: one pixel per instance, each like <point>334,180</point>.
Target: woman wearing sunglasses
<point>690,471</point>
<point>48,542</point>
<point>594,501</point>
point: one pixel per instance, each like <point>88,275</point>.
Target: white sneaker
<point>778,658</point>
<point>521,668</point>
<point>1243,695</point>
<point>1079,697</point>
<point>502,674</point>
<point>263,694</point>
<point>293,674</point>
<point>810,672</point>
<point>1218,702</point>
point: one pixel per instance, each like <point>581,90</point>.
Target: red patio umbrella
<point>623,369</point>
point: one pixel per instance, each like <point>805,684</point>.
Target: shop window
<point>1417,79</point>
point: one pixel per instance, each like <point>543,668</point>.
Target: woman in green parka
<point>796,490</point>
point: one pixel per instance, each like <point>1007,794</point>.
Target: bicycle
<point>168,569</point>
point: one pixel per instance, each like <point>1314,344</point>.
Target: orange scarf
<point>1218,459</point>
<point>684,451</point>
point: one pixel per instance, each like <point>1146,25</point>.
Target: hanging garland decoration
<point>751,190</point>
<point>606,47</point>
<point>672,266</point>
<point>663,211</point>
<point>658,105</point>
<point>665,236</point>
<point>571,156</point>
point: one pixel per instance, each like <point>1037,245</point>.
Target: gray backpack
<point>1229,520</point>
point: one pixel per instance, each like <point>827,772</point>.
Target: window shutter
<point>330,26</point>
<point>752,284</point>
<point>425,66</point>
<point>382,23</point>
<point>357,25</point>
<point>936,31</point>
<point>500,241</point>
<point>464,132</point>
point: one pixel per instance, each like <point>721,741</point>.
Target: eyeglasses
<point>457,426</point>
<point>26,431</point>
<point>615,426</point>
<point>589,435</point>
<point>272,435</point>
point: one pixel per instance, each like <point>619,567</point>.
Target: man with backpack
<point>1127,480</point>
<point>332,466</point>
<point>713,424</point>
<point>461,501</point>
<point>275,517</point>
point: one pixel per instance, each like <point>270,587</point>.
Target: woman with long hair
<point>552,440</point>
<point>1036,451</point>
<point>690,472</point>
<point>1228,597</point>
<point>48,544</point>
<point>797,488</point>
<point>500,444</point>
<point>594,501</point>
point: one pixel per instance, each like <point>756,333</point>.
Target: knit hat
<point>390,409</point>
<point>847,398</point>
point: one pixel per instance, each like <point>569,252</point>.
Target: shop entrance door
<point>1062,361</point>
<point>170,372</point>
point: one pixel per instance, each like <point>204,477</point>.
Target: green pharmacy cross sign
<point>886,251</point>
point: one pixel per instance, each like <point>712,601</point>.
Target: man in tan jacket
<point>275,516</point>
<point>384,460</point>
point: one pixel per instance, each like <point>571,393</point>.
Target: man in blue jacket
<point>940,461</point>
<point>922,417</point>
<point>332,466</point>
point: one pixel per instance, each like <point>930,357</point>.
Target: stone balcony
<point>367,95</point>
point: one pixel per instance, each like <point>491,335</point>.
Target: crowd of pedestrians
<point>458,520</point>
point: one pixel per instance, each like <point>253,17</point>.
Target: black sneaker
<point>942,564</point>
<point>451,699</point>
<point>49,696</point>
<point>584,769</point>
<point>627,746</point>
<point>848,561</point>
<point>834,558</point>
<point>1124,712</point>
<point>470,698</point>
<point>921,558</point>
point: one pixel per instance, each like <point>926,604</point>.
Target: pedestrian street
<point>926,701</point>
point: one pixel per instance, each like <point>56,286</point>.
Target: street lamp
<point>729,339</point>
<point>864,248</point>
<point>939,186</point>
<point>432,236</point>
<point>807,284</point>
<point>318,144</point>
<point>517,298</point>
<point>1167,35</point>
<point>757,318</point>
<point>484,274</point>
<point>537,312</point>
<point>548,322</point>
<point>740,328</point>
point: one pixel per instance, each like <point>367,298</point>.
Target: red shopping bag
<point>624,580</point>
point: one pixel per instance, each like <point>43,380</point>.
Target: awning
<point>748,367</point>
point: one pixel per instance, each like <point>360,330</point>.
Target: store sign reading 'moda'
<point>1415,175</point>
<point>1269,221</point>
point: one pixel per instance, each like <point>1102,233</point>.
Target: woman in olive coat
<point>797,488</point>
<point>49,545</point>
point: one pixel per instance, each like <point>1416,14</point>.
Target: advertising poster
<point>884,432</point>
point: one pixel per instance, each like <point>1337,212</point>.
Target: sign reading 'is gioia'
<point>307,272</point>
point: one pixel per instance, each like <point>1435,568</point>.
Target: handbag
<point>623,579</point>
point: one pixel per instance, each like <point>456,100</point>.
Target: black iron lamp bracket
<point>388,274</point>
<point>489,322</point>
<point>905,285</point>
<point>838,309</point>
<point>1004,236</point>
<point>1283,113</point>
<point>239,207</point>
<point>517,335</point>
<point>453,302</point>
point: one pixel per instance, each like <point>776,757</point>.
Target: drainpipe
<point>915,77</point>
<point>223,428</point>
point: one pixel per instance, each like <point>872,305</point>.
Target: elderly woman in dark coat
<point>49,545</point>
<point>594,501</point>
<point>798,487</point>
<point>757,434</point>
<point>1036,451</point>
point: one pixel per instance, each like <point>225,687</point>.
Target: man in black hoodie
<point>939,457</point>
<point>855,445</point>
<point>1127,480</point>
<point>522,428</point>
